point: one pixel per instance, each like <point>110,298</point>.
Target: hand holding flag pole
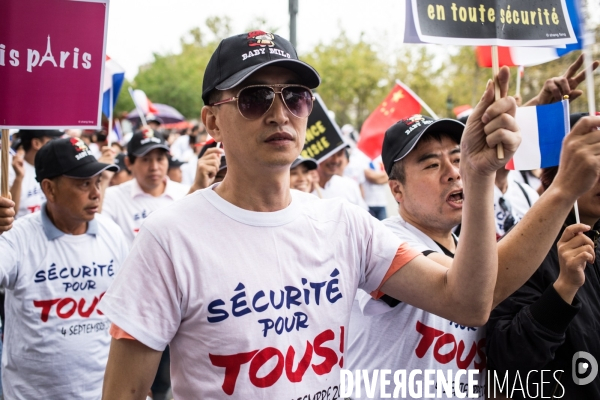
<point>4,165</point>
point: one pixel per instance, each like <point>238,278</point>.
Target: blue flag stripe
<point>552,128</point>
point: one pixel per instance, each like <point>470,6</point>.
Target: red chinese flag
<point>398,105</point>
<point>484,56</point>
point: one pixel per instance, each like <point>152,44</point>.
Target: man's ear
<point>36,144</point>
<point>128,163</point>
<point>49,189</point>
<point>397,190</point>
<point>209,119</point>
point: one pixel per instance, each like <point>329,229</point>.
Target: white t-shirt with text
<point>517,201</point>
<point>32,196</point>
<point>56,341</point>
<point>407,338</point>
<point>128,205</point>
<point>254,305</point>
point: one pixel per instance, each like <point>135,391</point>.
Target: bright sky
<point>139,28</point>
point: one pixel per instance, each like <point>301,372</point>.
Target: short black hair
<point>132,158</point>
<point>398,172</point>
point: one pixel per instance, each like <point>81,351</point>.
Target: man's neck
<point>67,226</point>
<point>502,180</point>
<point>262,191</point>
<point>441,236</point>
<point>323,179</point>
<point>30,157</point>
<point>155,191</point>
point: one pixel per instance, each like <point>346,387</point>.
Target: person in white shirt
<point>332,185</point>
<point>24,188</point>
<point>512,200</point>
<point>130,203</point>
<point>425,179</point>
<point>55,266</point>
<point>250,283</point>
<point>375,188</point>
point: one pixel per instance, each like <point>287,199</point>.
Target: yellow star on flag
<point>397,96</point>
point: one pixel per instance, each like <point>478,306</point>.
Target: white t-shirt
<point>32,196</point>
<point>345,188</point>
<point>420,340</point>
<point>517,200</point>
<point>56,341</point>
<point>188,170</point>
<point>242,297</point>
<point>128,205</point>
<point>375,194</point>
<point>181,150</point>
<point>533,181</point>
<point>357,164</point>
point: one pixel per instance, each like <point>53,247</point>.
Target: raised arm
<point>524,248</point>
<point>566,85</point>
<point>130,370</point>
<point>464,293</point>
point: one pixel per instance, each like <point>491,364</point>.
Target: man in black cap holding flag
<point>55,266</point>
<point>250,283</point>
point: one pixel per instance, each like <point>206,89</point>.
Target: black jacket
<point>535,329</point>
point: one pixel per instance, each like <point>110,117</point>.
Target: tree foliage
<point>356,74</point>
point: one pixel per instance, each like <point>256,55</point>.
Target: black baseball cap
<point>145,141</point>
<point>175,163</point>
<point>154,118</point>
<point>39,133</point>
<point>404,135</point>
<point>69,157</point>
<point>120,162</point>
<point>239,56</point>
<point>310,163</point>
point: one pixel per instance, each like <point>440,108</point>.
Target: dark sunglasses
<point>254,101</point>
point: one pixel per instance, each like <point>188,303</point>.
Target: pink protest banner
<point>52,56</point>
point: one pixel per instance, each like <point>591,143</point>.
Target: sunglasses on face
<point>255,101</point>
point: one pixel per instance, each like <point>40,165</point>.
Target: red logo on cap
<point>147,133</point>
<point>261,38</point>
<point>78,144</point>
<point>413,120</point>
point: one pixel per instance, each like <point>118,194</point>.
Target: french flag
<point>543,129</point>
<point>114,76</point>
<point>529,56</point>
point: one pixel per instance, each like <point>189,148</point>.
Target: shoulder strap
<point>524,192</point>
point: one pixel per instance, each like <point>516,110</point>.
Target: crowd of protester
<point>159,265</point>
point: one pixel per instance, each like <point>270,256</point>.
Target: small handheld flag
<point>543,129</point>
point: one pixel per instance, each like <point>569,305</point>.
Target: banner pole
<point>137,107</point>
<point>4,167</point>
<point>110,116</point>
<point>520,70</point>
<point>496,71</point>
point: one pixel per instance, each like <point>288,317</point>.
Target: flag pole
<point>497,95</point>
<point>520,71</point>
<point>110,116</point>
<point>4,165</point>
<point>416,97</point>
<point>137,107</point>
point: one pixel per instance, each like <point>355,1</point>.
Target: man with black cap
<point>55,266</point>
<point>422,158</point>
<point>129,203</point>
<point>250,283</point>
<point>25,189</point>
<point>300,175</point>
